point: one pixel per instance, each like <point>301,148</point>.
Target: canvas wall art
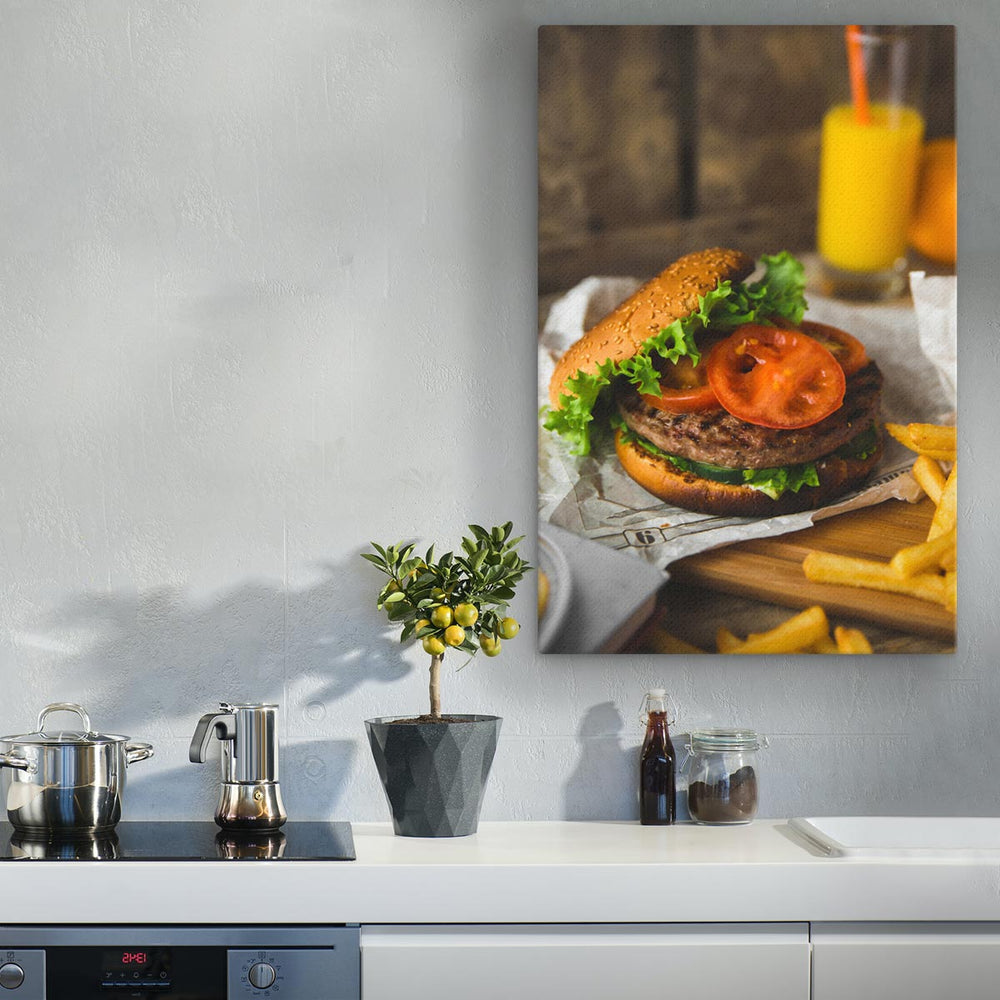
<point>747,387</point>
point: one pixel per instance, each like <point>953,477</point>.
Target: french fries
<point>851,640</point>
<point>924,441</point>
<point>824,645</point>
<point>828,567</point>
<point>929,476</point>
<point>951,591</point>
<point>925,556</point>
<point>726,642</point>
<point>946,514</point>
<point>926,570</point>
<point>792,636</point>
<point>934,438</point>
<point>806,632</point>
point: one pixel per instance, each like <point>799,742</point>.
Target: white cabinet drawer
<point>919,961</point>
<point>585,962</point>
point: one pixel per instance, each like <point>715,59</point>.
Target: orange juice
<point>867,179</point>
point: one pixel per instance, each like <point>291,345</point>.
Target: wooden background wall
<point>657,140</point>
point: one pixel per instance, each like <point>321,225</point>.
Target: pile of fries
<point>927,570</point>
<point>806,632</point>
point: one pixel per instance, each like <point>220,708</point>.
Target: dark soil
<point>428,718</point>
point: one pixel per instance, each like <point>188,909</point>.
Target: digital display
<point>146,967</point>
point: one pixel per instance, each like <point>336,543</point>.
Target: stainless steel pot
<point>65,782</point>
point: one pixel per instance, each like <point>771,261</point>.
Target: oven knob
<point>261,975</point>
<point>11,976</point>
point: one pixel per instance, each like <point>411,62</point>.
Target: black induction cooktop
<point>181,841</point>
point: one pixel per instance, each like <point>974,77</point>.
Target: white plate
<point>552,562</point>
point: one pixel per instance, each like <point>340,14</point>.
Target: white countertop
<point>541,872</point>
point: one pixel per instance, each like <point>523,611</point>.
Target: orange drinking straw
<point>856,67</point>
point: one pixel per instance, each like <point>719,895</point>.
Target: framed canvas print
<point>747,385</point>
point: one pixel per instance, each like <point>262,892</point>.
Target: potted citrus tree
<point>434,766</point>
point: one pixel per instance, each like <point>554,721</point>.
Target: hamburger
<point>721,397</point>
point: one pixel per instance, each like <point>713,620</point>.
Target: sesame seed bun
<point>671,295</point>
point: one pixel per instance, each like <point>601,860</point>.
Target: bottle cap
<point>655,701</point>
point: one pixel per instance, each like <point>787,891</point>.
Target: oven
<point>180,963</point>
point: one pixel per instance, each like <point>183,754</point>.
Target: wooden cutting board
<point>770,569</point>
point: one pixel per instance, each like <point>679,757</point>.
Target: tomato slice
<point>683,400</point>
<point>775,378</point>
<point>849,352</point>
<point>684,388</point>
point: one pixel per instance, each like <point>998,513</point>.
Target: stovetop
<point>182,841</point>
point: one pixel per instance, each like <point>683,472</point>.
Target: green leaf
<point>394,597</point>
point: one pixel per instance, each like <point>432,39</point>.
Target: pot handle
<point>136,751</point>
<point>18,763</point>
<point>64,706</point>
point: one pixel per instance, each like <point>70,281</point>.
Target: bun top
<point>671,295</point>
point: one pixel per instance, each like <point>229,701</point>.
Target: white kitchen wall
<point>267,293</point>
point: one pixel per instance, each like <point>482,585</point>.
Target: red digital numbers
<point>134,957</point>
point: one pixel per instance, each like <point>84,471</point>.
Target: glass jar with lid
<point>722,775</point>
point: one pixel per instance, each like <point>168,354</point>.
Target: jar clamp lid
<point>724,740</point>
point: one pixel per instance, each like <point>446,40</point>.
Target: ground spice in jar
<point>732,799</point>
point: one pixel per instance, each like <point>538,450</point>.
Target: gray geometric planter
<point>434,773</point>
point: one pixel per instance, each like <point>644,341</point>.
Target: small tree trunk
<point>435,686</point>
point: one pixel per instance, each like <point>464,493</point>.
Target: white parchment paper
<point>914,345</point>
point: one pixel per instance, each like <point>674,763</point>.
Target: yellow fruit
<point>509,627</point>
<point>423,623</point>
<point>934,226</point>
<point>433,645</point>
<point>489,645</point>
<point>466,614</point>
<point>454,635</point>
<point>442,616</point>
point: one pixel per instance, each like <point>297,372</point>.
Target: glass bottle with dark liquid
<point>656,765</point>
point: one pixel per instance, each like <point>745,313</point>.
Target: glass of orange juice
<point>869,159</point>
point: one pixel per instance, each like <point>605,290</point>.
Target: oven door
<point>180,963</point>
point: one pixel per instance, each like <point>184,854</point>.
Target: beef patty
<point>719,438</point>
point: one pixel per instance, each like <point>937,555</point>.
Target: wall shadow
<point>158,659</point>
<point>603,784</point>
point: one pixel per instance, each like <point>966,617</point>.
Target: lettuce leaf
<point>778,293</point>
<point>862,446</point>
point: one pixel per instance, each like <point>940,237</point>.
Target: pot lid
<point>63,737</point>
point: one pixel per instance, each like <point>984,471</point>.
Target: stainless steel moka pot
<point>250,797</point>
